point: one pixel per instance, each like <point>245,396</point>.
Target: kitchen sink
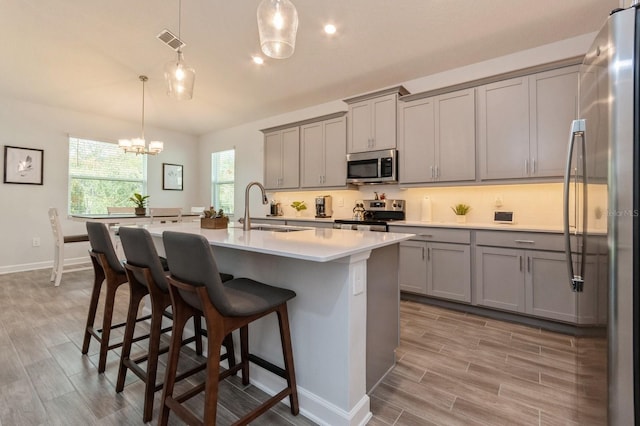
<point>276,229</point>
<point>271,228</point>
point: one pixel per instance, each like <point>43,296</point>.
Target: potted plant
<point>299,206</point>
<point>461,210</point>
<point>141,203</point>
<point>214,219</point>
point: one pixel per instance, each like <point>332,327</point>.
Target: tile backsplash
<point>538,204</point>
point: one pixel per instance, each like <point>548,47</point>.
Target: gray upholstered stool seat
<point>196,289</point>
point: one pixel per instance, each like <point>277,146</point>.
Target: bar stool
<point>107,268</point>
<point>147,276</point>
<point>195,288</point>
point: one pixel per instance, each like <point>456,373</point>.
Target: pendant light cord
<point>179,26</point>
<point>143,79</point>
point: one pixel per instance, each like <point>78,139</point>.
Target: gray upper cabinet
<point>503,129</point>
<point>553,97</point>
<point>523,124</point>
<point>282,159</point>
<point>436,138</point>
<point>372,123</point>
<point>323,153</point>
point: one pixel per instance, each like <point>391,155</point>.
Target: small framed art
<point>23,165</point>
<point>172,177</point>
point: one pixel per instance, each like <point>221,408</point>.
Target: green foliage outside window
<point>101,175</point>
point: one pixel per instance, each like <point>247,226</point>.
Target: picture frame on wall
<point>23,165</point>
<point>172,177</point>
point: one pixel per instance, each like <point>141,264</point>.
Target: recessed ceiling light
<point>257,60</point>
<point>330,29</point>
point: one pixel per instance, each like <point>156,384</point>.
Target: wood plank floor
<point>453,369</point>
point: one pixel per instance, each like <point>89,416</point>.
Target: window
<point>222,180</point>
<point>101,175</point>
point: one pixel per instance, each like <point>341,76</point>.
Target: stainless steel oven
<point>377,215</point>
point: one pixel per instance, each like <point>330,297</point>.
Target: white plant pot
<point>461,218</point>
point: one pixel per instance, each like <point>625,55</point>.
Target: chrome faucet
<point>246,223</point>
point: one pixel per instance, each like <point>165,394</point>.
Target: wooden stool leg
<point>244,353</point>
<point>152,360</point>
<point>106,326</point>
<point>135,297</point>
<point>180,318</point>
<point>214,343</point>
<point>93,304</point>
<point>287,353</point>
<point>231,355</point>
<point>197,329</point>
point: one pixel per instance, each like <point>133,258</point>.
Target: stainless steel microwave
<point>372,167</point>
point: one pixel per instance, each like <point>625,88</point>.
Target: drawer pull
<point>525,241</point>
<point>426,235</point>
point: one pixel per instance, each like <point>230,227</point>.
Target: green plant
<point>299,205</point>
<point>461,209</point>
<point>212,213</point>
<point>139,200</point>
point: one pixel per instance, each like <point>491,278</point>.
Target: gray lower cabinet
<point>500,278</point>
<point>536,283</point>
<point>436,269</point>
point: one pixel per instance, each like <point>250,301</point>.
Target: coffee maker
<point>324,206</point>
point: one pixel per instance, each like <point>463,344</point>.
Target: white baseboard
<point>9,269</point>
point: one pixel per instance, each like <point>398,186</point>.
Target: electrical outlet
<point>36,242</point>
<point>340,202</point>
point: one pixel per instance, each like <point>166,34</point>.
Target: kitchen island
<point>344,319</point>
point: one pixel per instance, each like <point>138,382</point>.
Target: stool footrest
<point>268,366</point>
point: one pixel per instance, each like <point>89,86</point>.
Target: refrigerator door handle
<point>578,129</point>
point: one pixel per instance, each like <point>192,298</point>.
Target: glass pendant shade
<point>180,79</point>
<point>277,25</point>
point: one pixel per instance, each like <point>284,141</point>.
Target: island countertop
<point>312,244</point>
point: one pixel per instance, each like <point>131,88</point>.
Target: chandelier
<point>139,145</point>
<point>180,77</point>
<point>277,25</point>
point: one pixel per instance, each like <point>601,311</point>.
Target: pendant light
<point>139,145</point>
<point>180,77</point>
<point>277,25</point>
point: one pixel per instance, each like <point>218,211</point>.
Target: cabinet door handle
<point>528,263</point>
<point>429,253</point>
<point>422,253</point>
<point>525,241</point>
<point>437,171</point>
<point>520,260</point>
<point>431,168</point>
<point>533,166</point>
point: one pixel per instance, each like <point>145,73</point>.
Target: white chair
<point>121,210</point>
<point>60,240</point>
<point>165,214</point>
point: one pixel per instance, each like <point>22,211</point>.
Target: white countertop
<point>315,244</point>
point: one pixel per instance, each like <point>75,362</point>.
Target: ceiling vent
<point>170,39</point>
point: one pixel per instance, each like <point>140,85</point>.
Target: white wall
<point>24,207</point>
<point>248,140</point>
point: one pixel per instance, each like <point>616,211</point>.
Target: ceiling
<point>86,55</point>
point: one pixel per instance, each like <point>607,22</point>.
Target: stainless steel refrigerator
<point>604,152</point>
